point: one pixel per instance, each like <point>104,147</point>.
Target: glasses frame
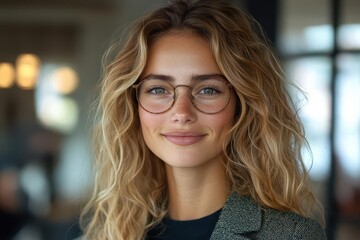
<point>136,86</point>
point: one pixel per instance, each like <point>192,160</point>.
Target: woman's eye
<point>157,90</point>
<point>208,91</point>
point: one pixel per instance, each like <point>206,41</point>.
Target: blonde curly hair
<point>263,154</point>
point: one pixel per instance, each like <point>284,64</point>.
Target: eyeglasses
<point>158,96</point>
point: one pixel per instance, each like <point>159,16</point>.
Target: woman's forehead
<point>180,54</point>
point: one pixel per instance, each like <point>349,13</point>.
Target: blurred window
<point>305,26</point>
<point>347,124</point>
<point>312,74</point>
<point>306,34</point>
<point>319,42</point>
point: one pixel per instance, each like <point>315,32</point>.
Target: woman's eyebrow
<point>202,77</point>
<point>167,78</point>
<point>194,77</point>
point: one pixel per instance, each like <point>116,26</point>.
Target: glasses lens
<point>208,96</point>
<point>155,96</point>
<point>211,96</point>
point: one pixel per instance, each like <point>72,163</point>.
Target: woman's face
<point>183,136</point>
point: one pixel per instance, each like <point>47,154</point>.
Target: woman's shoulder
<point>289,224</point>
<point>243,218</point>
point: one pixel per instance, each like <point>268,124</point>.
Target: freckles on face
<point>183,136</point>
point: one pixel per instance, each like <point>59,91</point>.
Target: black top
<point>199,229</point>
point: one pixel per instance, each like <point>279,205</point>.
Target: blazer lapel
<point>239,216</point>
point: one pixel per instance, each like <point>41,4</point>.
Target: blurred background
<point>50,67</point>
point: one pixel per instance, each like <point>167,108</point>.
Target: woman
<point>197,137</point>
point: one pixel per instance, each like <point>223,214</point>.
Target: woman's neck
<point>196,192</point>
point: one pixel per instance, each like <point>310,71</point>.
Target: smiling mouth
<point>184,139</point>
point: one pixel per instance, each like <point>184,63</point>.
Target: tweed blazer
<point>243,219</point>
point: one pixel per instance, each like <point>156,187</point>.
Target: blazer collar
<point>240,215</point>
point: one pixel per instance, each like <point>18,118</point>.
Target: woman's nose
<point>183,110</point>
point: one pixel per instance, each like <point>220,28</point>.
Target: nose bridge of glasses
<point>188,93</point>
<point>184,97</point>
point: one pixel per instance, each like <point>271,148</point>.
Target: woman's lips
<point>183,138</point>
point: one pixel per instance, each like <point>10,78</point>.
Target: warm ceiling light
<point>65,80</point>
<point>27,70</point>
<point>7,75</point>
